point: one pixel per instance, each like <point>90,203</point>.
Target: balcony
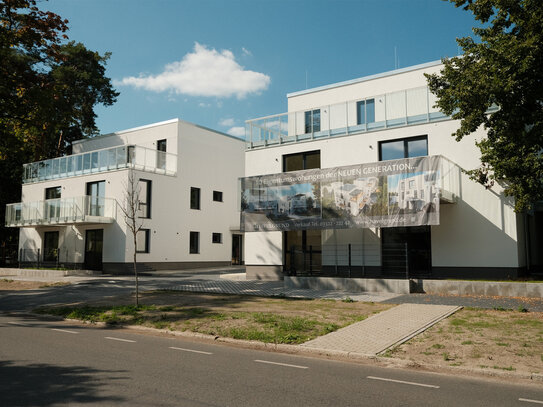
<point>109,159</point>
<point>62,211</point>
<point>397,109</point>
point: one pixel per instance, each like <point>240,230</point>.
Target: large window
<point>194,198</point>
<point>194,244</point>
<point>144,204</point>
<point>365,111</point>
<point>313,121</point>
<point>302,161</point>
<point>403,148</point>
<point>52,208</point>
<point>161,154</point>
<point>142,241</point>
<point>97,192</point>
<point>50,246</point>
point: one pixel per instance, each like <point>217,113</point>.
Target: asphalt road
<point>46,363</point>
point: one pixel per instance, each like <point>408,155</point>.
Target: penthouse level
<point>392,222</point>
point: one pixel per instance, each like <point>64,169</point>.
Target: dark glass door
<point>50,246</point>
<point>302,251</point>
<point>237,249</point>
<point>409,246</point>
<point>94,242</point>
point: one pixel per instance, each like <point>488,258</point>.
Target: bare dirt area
<point>491,340</point>
<point>7,284</point>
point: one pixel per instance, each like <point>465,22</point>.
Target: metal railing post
<point>350,263</point>
<point>406,262</point>
<point>310,260</point>
<point>21,253</point>
<point>38,258</point>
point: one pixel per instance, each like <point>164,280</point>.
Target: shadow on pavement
<point>39,384</point>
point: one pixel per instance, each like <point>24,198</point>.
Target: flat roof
<point>365,78</point>
<point>147,126</point>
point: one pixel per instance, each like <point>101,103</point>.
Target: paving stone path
<point>384,330</point>
<point>275,289</point>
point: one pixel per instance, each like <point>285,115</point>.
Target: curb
<point>305,351</point>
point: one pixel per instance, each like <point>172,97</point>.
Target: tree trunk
<point>136,274</point>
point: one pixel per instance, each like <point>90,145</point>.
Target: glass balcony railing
<point>109,159</point>
<point>403,108</point>
<point>81,209</point>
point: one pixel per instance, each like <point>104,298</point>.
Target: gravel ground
<point>514,303</point>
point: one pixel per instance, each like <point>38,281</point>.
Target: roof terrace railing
<point>397,109</point>
<point>108,159</point>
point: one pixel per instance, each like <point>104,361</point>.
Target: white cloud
<point>237,131</point>
<point>203,72</point>
<point>246,52</point>
<point>227,122</point>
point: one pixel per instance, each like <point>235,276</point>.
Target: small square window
<point>217,196</point>
<point>142,241</point>
<point>194,246</point>
<point>216,238</point>
<point>194,198</point>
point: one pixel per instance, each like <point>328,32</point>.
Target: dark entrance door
<point>302,252</point>
<point>94,241</point>
<point>411,242</point>
<point>237,250</point>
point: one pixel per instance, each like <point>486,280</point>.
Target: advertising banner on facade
<point>382,194</point>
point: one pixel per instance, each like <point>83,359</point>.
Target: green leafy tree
<point>48,90</point>
<point>501,68</point>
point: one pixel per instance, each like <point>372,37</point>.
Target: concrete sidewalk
<point>384,330</point>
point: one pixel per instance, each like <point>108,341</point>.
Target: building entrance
<point>415,245</point>
<point>94,241</point>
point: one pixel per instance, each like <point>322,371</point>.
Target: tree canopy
<point>48,90</point>
<point>501,68</point>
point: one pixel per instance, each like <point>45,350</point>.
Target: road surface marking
<point>281,364</point>
<point>531,401</point>
<point>401,381</point>
<point>64,330</point>
<point>191,350</point>
<point>16,323</point>
<point>119,339</point>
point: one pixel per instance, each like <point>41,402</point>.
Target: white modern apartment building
<point>186,176</point>
<point>385,181</point>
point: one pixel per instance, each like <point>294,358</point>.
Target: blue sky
<point>218,63</point>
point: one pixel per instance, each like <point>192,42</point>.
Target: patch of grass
<point>503,344</point>
<point>438,346</point>
<point>6,280</point>
<point>467,343</point>
<point>447,356</point>
<point>347,300</point>
<point>510,368</point>
<point>521,309</point>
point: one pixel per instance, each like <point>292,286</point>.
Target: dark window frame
<point>406,141</point>
<point>58,188</point>
<point>147,202</point>
<point>216,235</point>
<point>193,204</point>
<point>304,155</point>
<point>194,246</point>
<point>217,196</point>
<point>358,111</point>
<point>310,124</point>
<point>147,233</point>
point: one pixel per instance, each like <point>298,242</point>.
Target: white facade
<point>479,233</point>
<point>196,158</point>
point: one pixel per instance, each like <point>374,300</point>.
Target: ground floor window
<point>142,241</point>
<point>216,237</point>
<point>406,250</point>
<point>302,251</point>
